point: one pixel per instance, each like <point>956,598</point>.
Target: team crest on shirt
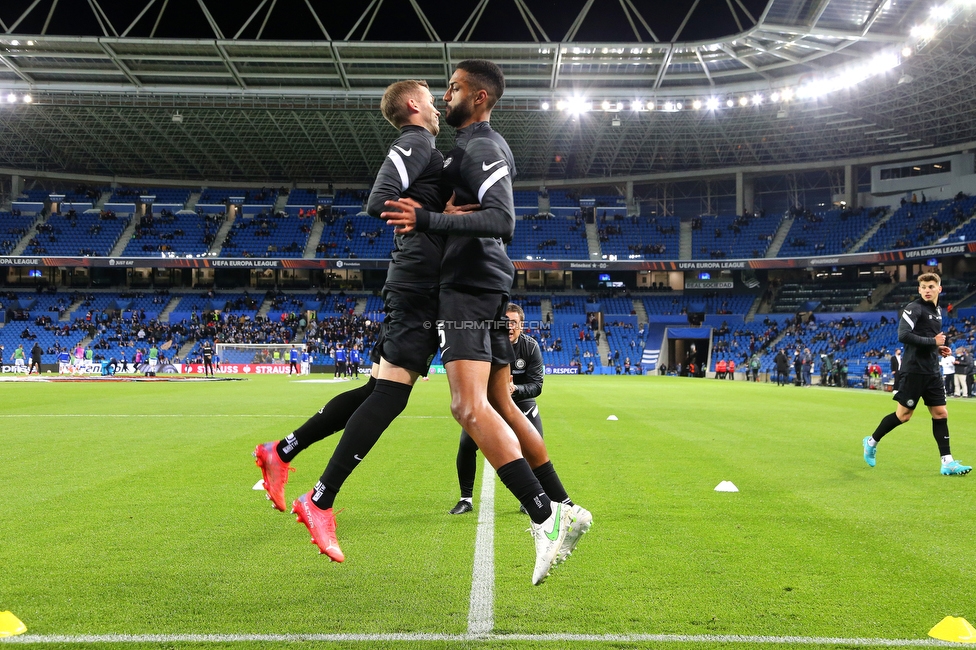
<point>448,161</point>
<point>911,403</point>
<point>520,363</point>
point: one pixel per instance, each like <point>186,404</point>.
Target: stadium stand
<point>640,237</point>
<point>526,203</point>
<point>837,296</point>
<point>919,224</point>
<point>267,235</point>
<point>166,196</point>
<point>183,233</point>
<point>89,233</point>
<point>953,290</point>
<point>711,303</point>
<point>251,196</point>
<point>13,227</point>
<point>731,236</point>
<point>827,233</point>
<point>303,198</point>
<point>556,238</point>
<point>355,237</point>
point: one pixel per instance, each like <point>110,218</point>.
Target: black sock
<point>551,484</point>
<point>363,430</point>
<point>467,464</point>
<point>940,430</point>
<point>520,481</point>
<point>331,418</point>
<point>889,422</point>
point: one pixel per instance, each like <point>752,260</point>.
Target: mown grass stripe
<point>408,637</point>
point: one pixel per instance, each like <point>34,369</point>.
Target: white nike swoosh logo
<point>485,166</point>
<point>356,456</point>
<point>405,152</point>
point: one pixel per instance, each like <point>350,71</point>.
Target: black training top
<point>412,169</point>
<point>479,169</point>
<point>528,371</point>
<point>920,322</point>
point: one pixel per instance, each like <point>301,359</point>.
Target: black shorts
<point>912,386</point>
<point>531,410</point>
<point>472,326</point>
<point>408,335</point>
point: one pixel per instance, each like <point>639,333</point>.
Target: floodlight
<point>757,99</point>
<point>924,31</point>
<point>696,104</point>
<point>711,103</point>
<point>11,98</point>
<point>743,101</point>
<point>560,105</point>
<point>28,99</point>
<point>730,103</point>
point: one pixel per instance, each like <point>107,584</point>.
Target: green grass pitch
<point>128,509</point>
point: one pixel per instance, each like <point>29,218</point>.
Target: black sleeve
<point>485,167</point>
<point>406,160</point>
<point>535,372</point>
<point>906,327</point>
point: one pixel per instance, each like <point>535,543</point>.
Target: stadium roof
<point>287,90</point>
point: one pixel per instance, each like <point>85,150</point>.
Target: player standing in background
<point>920,331</point>
<point>153,359</point>
<point>528,372</point>
<point>405,348</point>
<point>78,360</point>
<point>64,362</point>
<point>354,360</point>
<point>35,358</point>
<point>306,364</point>
<point>475,280</point>
<point>18,358</point>
<point>340,361</point>
<point>293,361</point>
<point>208,353</point>
<point>123,364</point>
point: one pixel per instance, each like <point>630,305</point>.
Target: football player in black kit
<point>207,359</point>
<point>920,331</point>
<point>405,349</point>
<point>475,279</point>
<point>528,372</point>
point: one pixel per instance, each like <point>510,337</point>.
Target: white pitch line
<point>481,614</point>
<point>367,638</point>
